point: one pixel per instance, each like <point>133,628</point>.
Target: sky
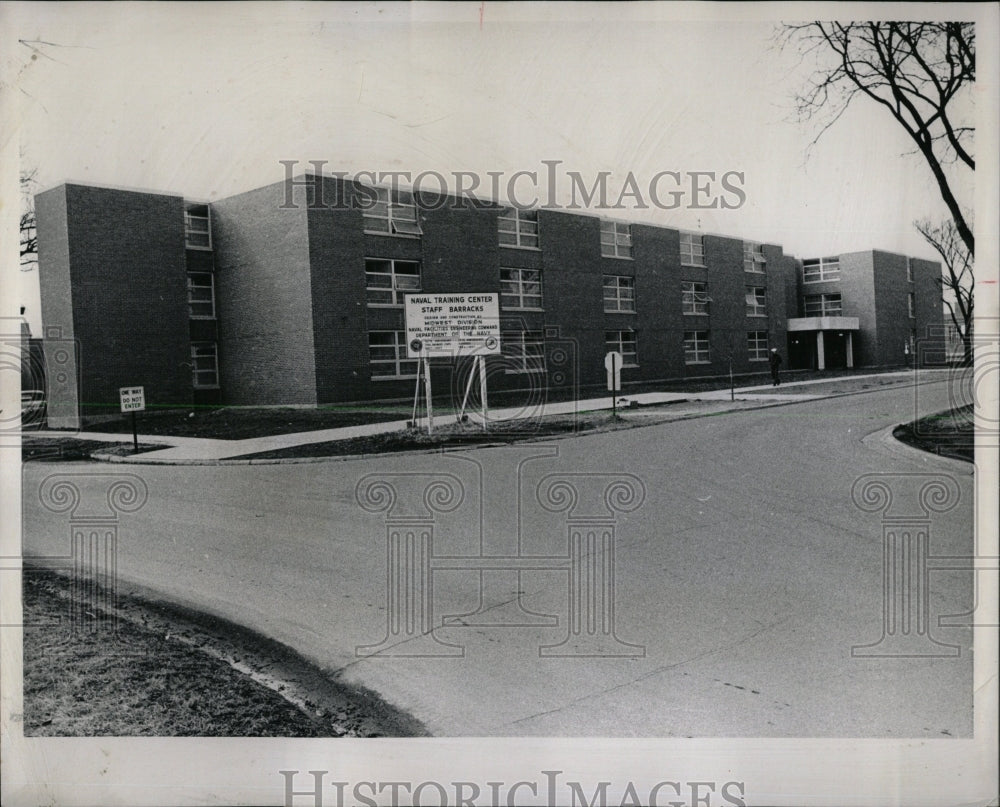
<point>205,99</point>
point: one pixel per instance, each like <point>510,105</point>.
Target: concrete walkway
<point>184,450</point>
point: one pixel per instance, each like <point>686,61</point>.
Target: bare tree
<point>958,283</point>
<point>921,72</point>
<point>29,232</point>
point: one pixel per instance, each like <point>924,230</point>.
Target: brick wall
<point>930,310</point>
<point>658,278</point>
<point>573,287</point>
<point>265,300</point>
<point>782,273</point>
<point>857,289</point>
<point>60,348</point>
<point>128,283</point>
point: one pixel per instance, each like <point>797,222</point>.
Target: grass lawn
<point>238,423</point>
<point>448,434</point>
<point>152,676</point>
<point>242,423</point>
<point>950,433</point>
<point>66,449</point>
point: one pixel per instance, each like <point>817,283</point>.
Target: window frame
<point>621,243</point>
<point>754,259</point>
<point>617,299</point>
<point>824,300</point>
<point>399,357</point>
<point>196,370</point>
<point>698,336</point>
<point>397,292</point>
<point>525,227</point>
<point>754,351</point>
<point>392,200</point>
<point>620,339</point>
<point>527,362</point>
<point>519,283</point>
<point>192,302</point>
<point>689,298</point>
<point>757,307</point>
<point>825,269</point>
<point>694,254</point>
<point>189,230</point>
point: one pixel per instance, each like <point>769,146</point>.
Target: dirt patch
<point>156,670</point>
<point>950,434</point>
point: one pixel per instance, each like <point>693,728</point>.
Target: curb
<point>884,440</point>
<point>235,461</point>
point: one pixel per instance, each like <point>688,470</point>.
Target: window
<point>520,288</point>
<point>694,297</point>
<point>204,365</point>
<point>815,270</point>
<point>619,294</point>
<point>616,239</point>
<point>518,228</point>
<point>387,281</point>
<point>524,351</point>
<point>909,270</point>
<point>387,355</point>
<point>625,343</point>
<point>822,305</point>
<point>696,347</point>
<point>692,249</point>
<point>753,257</point>
<point>201,295</point>
<point>393,212</point>
<point>757,345</point>
<point>911,305</point>
<point>756,301</point>
<point>197,232</point>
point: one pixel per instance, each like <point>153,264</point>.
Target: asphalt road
<point>741,582</point>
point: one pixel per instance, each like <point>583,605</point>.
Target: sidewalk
<point>195,450</point>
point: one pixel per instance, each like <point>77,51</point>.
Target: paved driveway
<point>722,574</point>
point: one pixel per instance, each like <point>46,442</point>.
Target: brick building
<point>292,294</point>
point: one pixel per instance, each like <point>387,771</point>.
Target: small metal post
<point>614,387</point>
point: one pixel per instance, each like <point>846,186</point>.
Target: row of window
<point>818,270</point>
<point>831,305</point>
<point>521,289</point>
<point>395,213</point>
<point>387,281</point>
<point>524,351</point>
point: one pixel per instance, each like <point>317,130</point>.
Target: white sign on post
<point>613,364</point>
<point>133,399</point>
<point>451,325</point>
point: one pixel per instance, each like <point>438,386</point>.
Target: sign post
<point>451,326</point>
<point>613,364</point>
<point>133,399</point>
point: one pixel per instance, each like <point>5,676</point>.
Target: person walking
<point>775,361</point>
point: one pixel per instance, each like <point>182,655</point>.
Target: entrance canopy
<point>839,330</point>
<point>824,324</point>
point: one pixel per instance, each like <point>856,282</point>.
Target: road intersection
<point>745,568</point>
